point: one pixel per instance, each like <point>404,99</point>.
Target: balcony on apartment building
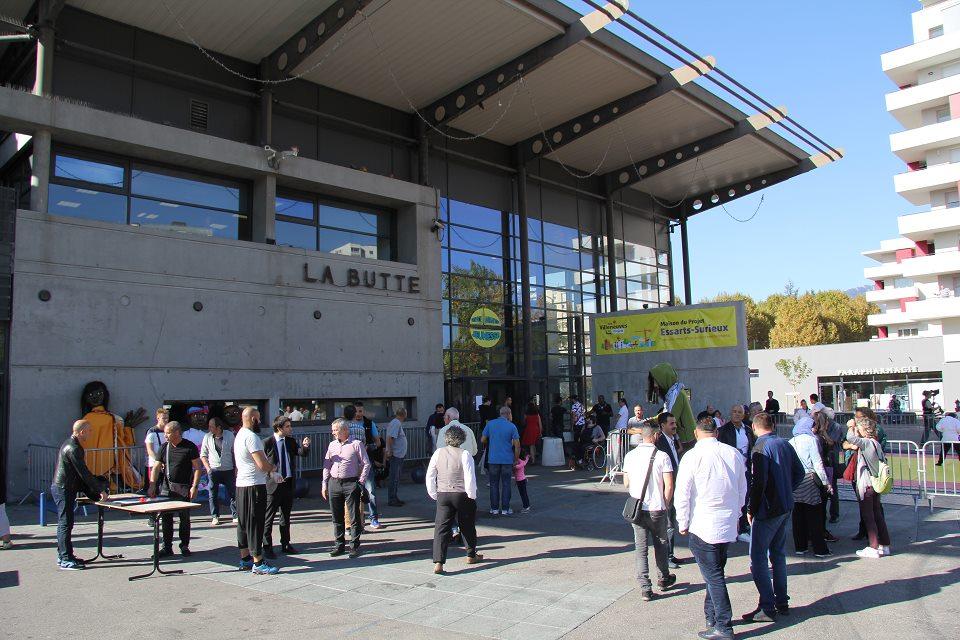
<point>907,105</point>
<point>884,271</point>
<point>892,294</point>
<point>923,226</point>
<point>916,186</point>
<point>934,308</point>
<point>902,65</point>
<point>935,265</point>
<point>889,318</point>
<point>914,144</point>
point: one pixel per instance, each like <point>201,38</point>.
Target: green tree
<point>470,289</point>
<point>799,323</point>
<point>759,322</point>
<point>795,371</point>
<point>846,317</point>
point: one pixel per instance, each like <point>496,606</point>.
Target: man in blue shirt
<point>502,442</point>
<point>777,471</point>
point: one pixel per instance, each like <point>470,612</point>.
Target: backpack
<point>883,481</point>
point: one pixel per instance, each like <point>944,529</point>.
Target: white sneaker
<point>525,510</point>
<point>885,550</point>
<point>494,512</point>
<point>215,520</point>
<point>236,521</point>
<point>508,512</point>
<point>869,552</point>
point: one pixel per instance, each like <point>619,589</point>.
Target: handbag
<point>633,508</point>
<point>850,473</point>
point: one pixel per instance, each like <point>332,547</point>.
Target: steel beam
<point>722,195</point>
<point>312,36</point>
<point>685,257</point>
<point>575,128</point>
<point>646,169</point>
<point>464,98</point>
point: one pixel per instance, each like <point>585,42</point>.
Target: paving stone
<point>530,632</point>
<point>480,625</point>
<point>507,610</point>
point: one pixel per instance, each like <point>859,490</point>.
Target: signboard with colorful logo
<point>672,330</point>
<point>485,327</point>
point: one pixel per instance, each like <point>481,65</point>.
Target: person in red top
<point>532,431</point>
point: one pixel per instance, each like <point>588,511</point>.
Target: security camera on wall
<point>274,157</point>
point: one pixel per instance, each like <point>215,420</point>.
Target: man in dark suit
<point>738,434</point>
<point>281,450</point>
<point>668,442</point>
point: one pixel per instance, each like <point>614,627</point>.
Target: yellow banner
<point>666,331</point>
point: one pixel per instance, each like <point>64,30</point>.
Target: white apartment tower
<point>917,284</point>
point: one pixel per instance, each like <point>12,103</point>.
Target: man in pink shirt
<point>345,469</point>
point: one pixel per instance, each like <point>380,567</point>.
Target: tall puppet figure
<point>664,386</point>
<point>107,432</point>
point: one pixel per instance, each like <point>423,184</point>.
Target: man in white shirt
<point>711,490</point>
<point>252,470</point>
<point>949,429</point>
<point>648,475</point>
<point>296,415</point>
<point>623,414</point>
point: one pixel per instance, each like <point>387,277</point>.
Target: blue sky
<point>822,60</point>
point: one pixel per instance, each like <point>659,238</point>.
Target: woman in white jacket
<point>808,524</point>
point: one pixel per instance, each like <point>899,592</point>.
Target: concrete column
<point>40,166</point>
<point>43,81</point>
<point>263,227</point>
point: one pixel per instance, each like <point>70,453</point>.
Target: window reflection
<point>79,202</point>
<point>183,218</point>
<point>292,234</point>
<point>178,189</point>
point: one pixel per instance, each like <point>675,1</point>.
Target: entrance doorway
<point>465,393</point>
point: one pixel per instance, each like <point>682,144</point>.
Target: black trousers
<point>453,508</point>
<point>835,496</point>
<point>281,500</point>
<point>808,525</point>
<point>166,522</point>
<point>251,510</point>
<point>345,493</point>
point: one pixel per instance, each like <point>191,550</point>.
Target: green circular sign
<point>485,327</point>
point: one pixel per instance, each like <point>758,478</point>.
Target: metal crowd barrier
<point>618,445</point>
<point>942,480</point>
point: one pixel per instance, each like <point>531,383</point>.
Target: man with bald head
<point>252,469</point>
<point>71,477</point>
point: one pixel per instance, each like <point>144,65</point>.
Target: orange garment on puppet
<point>104,427</point>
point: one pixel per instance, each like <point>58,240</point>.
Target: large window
<point>324,411</point>
<point>95,187</point>
<point>337,227</point>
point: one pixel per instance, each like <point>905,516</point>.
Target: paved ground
<point>564,570</point>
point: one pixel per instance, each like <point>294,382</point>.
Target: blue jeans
<point>712,559</point>
<point>396,466</point>
<point>501,477</point>
<point>768,537</point>
<point>66,502</point>
<point>372,505</point>
<point>225,478</point>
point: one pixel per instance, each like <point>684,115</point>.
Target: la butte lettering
<point>369,279</point>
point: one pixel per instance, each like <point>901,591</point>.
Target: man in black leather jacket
<point>71,477</point>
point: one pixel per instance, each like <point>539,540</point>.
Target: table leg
<point>156,554</point>
<point>100,553</point>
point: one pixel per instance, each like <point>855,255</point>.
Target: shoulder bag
<point>850,473</point>
<point>634,507</point>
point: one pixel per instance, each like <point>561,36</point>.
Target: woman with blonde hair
<point>862,437</point>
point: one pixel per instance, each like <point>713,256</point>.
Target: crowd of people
<point>737,480</point>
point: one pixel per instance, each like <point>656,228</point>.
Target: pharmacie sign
<point>363,278</point>
<point>877,371</point>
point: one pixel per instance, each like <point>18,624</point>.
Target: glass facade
<point>483,297</point>
<point>113,190</point>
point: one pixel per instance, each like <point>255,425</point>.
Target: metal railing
<point>940,477</point>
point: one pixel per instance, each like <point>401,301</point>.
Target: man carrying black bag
<point>649,478</point>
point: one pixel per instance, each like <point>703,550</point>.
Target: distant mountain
<point>858,291</point>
